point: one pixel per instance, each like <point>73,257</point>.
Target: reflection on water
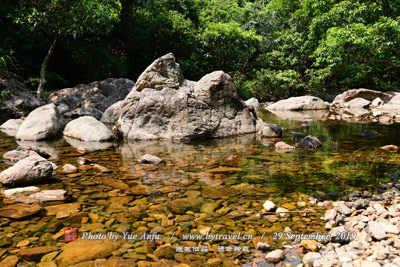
<point>220,184</point>
<point>87,145</point>
<point>304,115</point>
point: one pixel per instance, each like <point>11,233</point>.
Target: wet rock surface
<point>309,142</point>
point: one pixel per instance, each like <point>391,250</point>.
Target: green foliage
<point>272,48</point>
<point>7,59</point>
<point>4,95</point>
<point>277,84</point>
<point>67,17</point>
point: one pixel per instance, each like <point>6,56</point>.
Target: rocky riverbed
<point>156,190</point>
<point>362,231</point>
<point>217,186</point>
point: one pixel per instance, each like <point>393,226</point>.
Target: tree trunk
<point>44,65</point>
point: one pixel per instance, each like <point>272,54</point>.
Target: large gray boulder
<point>88,129</point>
<point>97,95</point>
<point>112,113</point>
<point>160,109</point>
<point>27,171</point>
<point>163,72</point>
<point>19,101</point>
<point>367,94</point>
<point>299,103</point>
<point>42,123</point>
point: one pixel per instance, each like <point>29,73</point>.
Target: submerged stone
<point>19,211</point>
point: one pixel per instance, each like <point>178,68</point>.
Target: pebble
<point>269,205</point>
<point>275,256</point>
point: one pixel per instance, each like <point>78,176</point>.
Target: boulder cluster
<point>160,105</point>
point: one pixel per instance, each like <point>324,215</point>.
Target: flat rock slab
<point>140,190</point>
<point>19,211</point>
<point>376,230</point>
<point>35,254</point>
<point>85,250</point>
<point>225,169</point>
<point>9,261</point>
<point>219,192</point>
<point>15,192</point>
<point>45,195</point>
<point>181,205</point>
<point>71,207</point>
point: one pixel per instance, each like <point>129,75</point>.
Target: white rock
<point>330,215</point>
<point>275,256</point>
<point>269,205</point>
<point>49,195</point>
<point>299,103</point>
<point>388,227</point>
<point>376,230</point>
<point>311,257</point>
<point>377,102</point>
<point>21,191</point>
<point>358,103</point>
<point>282,212</point>
<point>87,128</point>
<point>43,123</point>
<point>12,124</point>
<point>150,159</point>
<point>253,102</point>
<point>370,264</point>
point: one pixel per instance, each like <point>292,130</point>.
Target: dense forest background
<point>272,48</point>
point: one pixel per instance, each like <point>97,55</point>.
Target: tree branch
<point>385,62</point>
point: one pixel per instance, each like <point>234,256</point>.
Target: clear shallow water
<point>220,184</point>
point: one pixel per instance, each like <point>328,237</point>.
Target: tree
<point>60,18</point>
